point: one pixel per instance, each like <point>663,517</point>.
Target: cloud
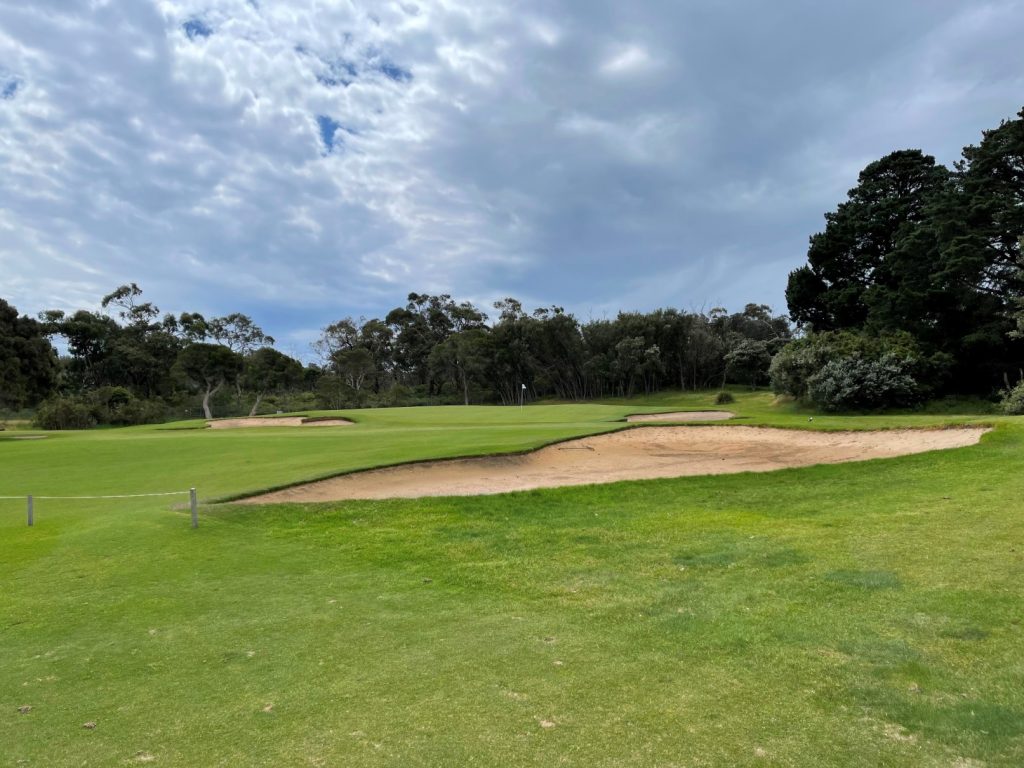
<point>303,161</point>
<point>627,60</point>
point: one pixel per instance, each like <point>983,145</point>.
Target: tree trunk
<point>259,396</point>
<point>210,392</point>
<point>465,389</point>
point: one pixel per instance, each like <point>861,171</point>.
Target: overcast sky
<point>306,160</point>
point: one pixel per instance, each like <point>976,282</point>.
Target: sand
<point>633,454</point>
<point>283,421</point>
<point>680,416</point>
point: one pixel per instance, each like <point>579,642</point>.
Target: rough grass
<point>859,614</point>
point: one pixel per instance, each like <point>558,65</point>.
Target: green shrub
<point>1013,400</point>
<point>106,405</point>
<point>793,366</point>
<point>722,398</point>
<point>882,361</point>
<point>137,411</point>
<point>119,407</point>
<point>854,384</point>
<point>64,413</point>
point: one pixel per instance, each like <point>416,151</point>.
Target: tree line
<point>436,346</point>
<point>914,289</point>
<point>128,364</point>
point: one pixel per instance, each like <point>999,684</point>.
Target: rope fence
<point>30,500</point>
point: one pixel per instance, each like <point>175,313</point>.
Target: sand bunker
<point>679,416</point>
<point>632,454</point>
<point>283,421</point>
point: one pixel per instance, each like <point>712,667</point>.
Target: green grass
<point>860,614</point>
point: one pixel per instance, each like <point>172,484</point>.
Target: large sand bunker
<point>281,421</point>
<point>680,416</point>
<point>634,454</point>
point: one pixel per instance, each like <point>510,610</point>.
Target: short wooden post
<point>31,511</point>
<point>194,505</point>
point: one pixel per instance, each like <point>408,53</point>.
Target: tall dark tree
<point>979,230</point>
<point>91,339</point>
<point>984,240</point>
<point>560,354</point>
<point>135,354</point>
<point>853,254</point>
<point>920,250</point>
<point>28,362</point>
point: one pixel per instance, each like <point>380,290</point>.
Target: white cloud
<point>562,152</point>
<point>627,60</point>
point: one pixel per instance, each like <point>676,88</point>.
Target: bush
<point>793,366</point>
<point>138,412</point>
<point>722,398</point>
<point>855,383</point>
<point>802,361</point>
<point>106,405</point>
<point>1013,400</point>
<point>119,407</point>
<point>64,413</point>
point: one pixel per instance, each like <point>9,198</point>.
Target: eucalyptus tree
<point>208,368</point>
<point>268,371</point>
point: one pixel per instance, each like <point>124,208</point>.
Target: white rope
<point>116,496</point>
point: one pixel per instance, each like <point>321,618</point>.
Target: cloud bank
<point>307,160</point>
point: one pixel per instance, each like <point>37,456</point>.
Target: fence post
<point>31,515</point>
<point>193,503</point>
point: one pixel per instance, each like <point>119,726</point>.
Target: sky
<point>308,160</point>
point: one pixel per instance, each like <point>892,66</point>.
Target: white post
<point>31,515</point>
<point>193,504</point>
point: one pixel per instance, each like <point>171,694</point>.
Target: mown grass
<point>860,614</point>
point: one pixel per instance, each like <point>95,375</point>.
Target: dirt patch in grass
<point>281,421</point>
<point>633,454</point>
<point>681,416</point>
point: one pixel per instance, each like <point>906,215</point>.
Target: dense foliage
<point>129,365</point>
<point>843,370</point>
<point>933,252</point>
<point>856,383</point>
<point>106,405</point>
<point>437,347</point>
<point>28,363</point>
